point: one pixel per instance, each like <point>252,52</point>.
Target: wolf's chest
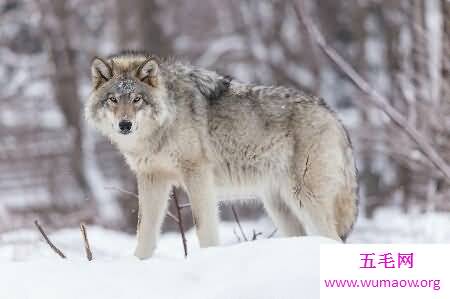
<point>144,163</point>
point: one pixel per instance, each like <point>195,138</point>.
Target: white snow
<point>391,225</point>
<point>266,268</point>
<point>269,268</point>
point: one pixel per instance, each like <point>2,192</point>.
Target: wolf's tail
<point>347,201</point>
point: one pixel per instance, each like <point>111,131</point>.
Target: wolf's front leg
<point>153,199</point>
<point>200,188</point>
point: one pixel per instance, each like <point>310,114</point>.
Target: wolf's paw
<point>143,253</point>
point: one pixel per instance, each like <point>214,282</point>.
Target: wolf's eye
<point>112,99</point>
<point>137,99</point>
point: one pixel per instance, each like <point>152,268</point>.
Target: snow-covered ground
<point>266,268</point>
<point>391,225</point>
<point>271,268</point>
<point>28,245</point>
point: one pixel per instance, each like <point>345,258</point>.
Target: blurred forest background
<point>54,168</point>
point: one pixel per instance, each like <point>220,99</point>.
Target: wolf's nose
<point>125,126</point>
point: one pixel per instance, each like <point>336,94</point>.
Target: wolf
<point>180,125</point>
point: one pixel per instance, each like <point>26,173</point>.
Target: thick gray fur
<point>219,138</point>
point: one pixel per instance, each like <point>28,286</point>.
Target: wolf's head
<point>129,96</point>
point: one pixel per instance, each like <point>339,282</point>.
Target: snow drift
<point>269,268</point>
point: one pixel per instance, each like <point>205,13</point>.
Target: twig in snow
<point>236,218</point>
<point>256,235</point>
<point>172,216</point>
<point>86,242</point>
<point>272,233</point>
<point>237,236</point>
<point>52,246</point>
<point>180,221</point>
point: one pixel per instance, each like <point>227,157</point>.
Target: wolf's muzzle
<point>125,126</point>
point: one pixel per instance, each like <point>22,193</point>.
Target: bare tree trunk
<point>445,64</point>
<point>419,49</point>
<point>394,56</point>
<point>65,81</point>
<point>139,27</point>
<point>127,38</point>
<point>391,25</point>
<point>369,176</point>
<point>150,31</point>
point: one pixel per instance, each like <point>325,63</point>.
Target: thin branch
<point>174,218</point>
<point>122,191</point>
<point>375,98</point>
<point>52,246</point>
<point>180,221</point>
<point>236,218</point>
<point>185,205</point>
<point>256,235</point>
<point>237,236</point>
<point>86,242</point>
<point>272,233</point>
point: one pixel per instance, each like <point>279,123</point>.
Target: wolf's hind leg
<point>284,220</point>
<point>321,218</point>
<point>204,207</point>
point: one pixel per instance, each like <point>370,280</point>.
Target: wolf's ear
<point>148,72</point>
<point>101,71</point>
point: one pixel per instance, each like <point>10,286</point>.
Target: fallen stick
<point>236,218</point>
<point>256,235</point>
<point>185,205</point>
<point>237,236</point>
<point>52,246</point>
<point>272,233</point>
<point>180,221</point>
<point>87,248</point>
